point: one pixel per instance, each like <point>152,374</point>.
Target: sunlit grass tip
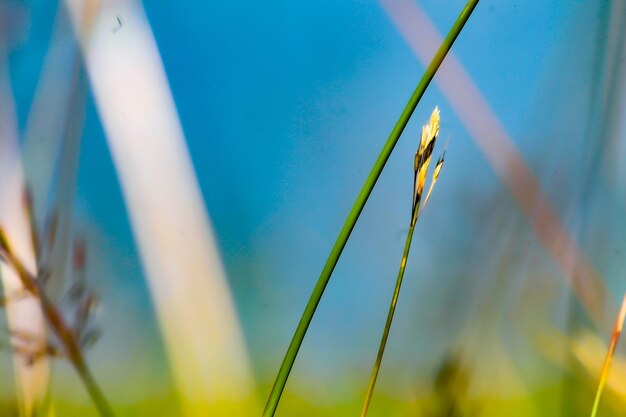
<point>430,132</point>
<point>606,365</point>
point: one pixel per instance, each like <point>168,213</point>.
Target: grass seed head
<point>430,131</point>
<point>4,244</point>
<point>436,173</point>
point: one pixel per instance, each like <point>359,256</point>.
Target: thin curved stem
<point>346,230</point>
<point>606,365</point>
<point>392,309</point>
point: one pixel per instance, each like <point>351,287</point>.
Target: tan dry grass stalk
<point>606,365</point>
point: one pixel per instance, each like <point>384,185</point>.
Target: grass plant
<point>430,131</point>
<point>73,338</point>
<point>346,230</point>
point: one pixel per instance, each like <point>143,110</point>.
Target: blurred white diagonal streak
<point>503,156</point>
<point>49,110</point>
<point>167,213</point>
<point>24,313</point>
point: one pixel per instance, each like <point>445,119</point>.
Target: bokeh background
<point>284,107</point>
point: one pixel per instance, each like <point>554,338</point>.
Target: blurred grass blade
<point>606,365</point>
<point>51,146</point>
<point>24,315</point>
<point>65,189</point>
<point>50,111</point>
<point>179,253</point>
<point>344,234</point>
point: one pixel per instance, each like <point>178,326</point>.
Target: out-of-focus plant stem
<point>344,234</point>
<point>606,365</point>
<point>63,332</point>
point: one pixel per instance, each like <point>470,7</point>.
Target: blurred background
<point>208,153</point>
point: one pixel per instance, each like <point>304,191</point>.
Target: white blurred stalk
<point>52,142</point>
<point>50,112</point>
<point>168,217</point>
<point>24,315</point>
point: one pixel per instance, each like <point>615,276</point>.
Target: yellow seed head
<point>430,131</point>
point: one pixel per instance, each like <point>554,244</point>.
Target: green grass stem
<point>346,230</point>
<point>392,309</point>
